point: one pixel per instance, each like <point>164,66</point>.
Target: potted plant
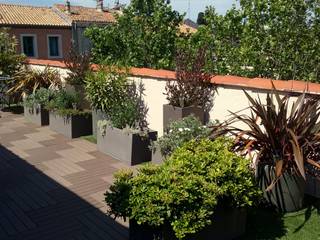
<point>99,91</point>
<point>191,92</point>
<point>66,117</point>
<point>34,106</point>
<point>179,132</point>
<point>282,140</point>
<point>125,135</point>
<point>78,65</point>
<point>200,192</point>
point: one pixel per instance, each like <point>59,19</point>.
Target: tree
<point>10,61</point>
<point>143,36</point>
<point>267,38</point>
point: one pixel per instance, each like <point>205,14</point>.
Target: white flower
<point>180,129</point>
<point>187,129</point>
<point>170,131</point>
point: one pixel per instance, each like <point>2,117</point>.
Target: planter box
<point>226,224</point>
<point>37,115</point>
<point>71,126</point>
<point>313,186</point>
<point>288,193</point>
<point>157,157</point>
<point>171,113</point>
<point>97,115</point>
<point>127,147</point>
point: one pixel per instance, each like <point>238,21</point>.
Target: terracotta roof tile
<point>228,80</point>
<point>29,15</point>
<point>86,14</point>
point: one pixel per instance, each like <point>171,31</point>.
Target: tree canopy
<point>144,35</point>
<point>276,39</point>
<point>10,61</point>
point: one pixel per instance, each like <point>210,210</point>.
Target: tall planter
<point>71,126</point>
<point>128,147</point>
<point>37,115</point>
<point>171,113</point>
<point>227,224</point>
<point>288,193</point>
<point>97,115</point>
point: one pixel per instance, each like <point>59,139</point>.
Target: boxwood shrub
<point>185,190</point>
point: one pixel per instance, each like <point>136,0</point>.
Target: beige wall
<point>226,99</point>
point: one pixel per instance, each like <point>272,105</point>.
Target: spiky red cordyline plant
<point>282,136</point>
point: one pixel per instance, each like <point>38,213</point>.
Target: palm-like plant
<point>28,80</point>
<point>283,136</point>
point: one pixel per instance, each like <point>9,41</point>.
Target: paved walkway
<point>52,187</point>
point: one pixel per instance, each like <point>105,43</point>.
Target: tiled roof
<point>86,14</point>
<point>292,86</point>
<point>29,15</point>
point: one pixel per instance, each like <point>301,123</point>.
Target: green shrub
<point>122,100</point>
<point>179,133</point>
<point>65,103</point>
<point>104,88</point>
<point>39,97</point>
<point>186,189</point>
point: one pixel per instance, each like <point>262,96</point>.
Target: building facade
<point>40,32</point>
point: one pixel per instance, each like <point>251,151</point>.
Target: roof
<point>86,14</point>
<point>11,14</point>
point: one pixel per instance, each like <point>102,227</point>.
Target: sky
<point>180,5</point>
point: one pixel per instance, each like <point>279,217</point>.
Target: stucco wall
<point>226,99</point>
<point>42,42</point>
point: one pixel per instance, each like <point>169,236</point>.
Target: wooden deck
<point>53,188</point>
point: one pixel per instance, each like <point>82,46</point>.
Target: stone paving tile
<point>52,188</point>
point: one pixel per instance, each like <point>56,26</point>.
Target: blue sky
<point>180,5</point>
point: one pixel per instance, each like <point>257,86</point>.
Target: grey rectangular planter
<point>171,113</point>
<point>97,115</point>
<point>157,157</point>
<point>71,126</point>
<point>127,147</point>
<point>37,115</point>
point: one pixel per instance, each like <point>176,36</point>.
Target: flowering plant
<point>179,133</point>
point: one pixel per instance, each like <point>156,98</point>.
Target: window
<point>29,45</point>
<point>54,46</point>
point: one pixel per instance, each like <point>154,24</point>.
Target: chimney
<point>68,7</point>
<point>100,5</point>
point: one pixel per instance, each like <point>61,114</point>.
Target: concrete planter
<point>37,115</point>
<point>227,224</point>
<point>127,147</point>
<point>97,115</point>
<point>171,113</point>
<point>71,126</point>
<point>288,193</point>
<point>157,157</point>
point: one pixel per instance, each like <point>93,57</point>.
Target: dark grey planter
<point>37,115</point>
<point>171,113</point>
<point>97,115</point>
<point>288,193</point>
<point>157,157</point>
<point>313,186</point>
<point>227,224</point>
<point>71,126</point>
<point>127,147</point>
